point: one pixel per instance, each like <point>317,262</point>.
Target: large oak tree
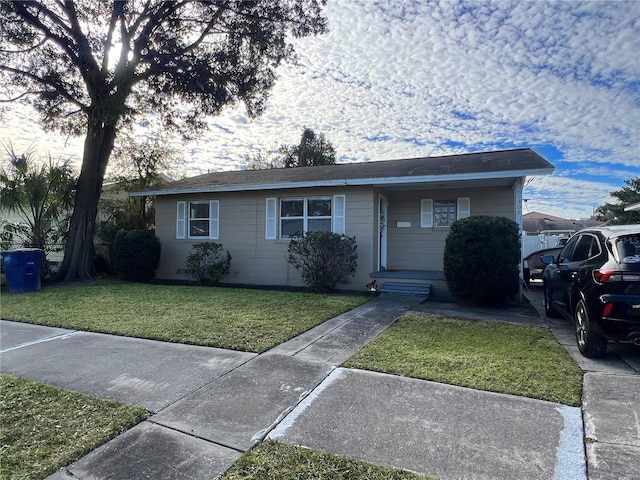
<point>91,67</point>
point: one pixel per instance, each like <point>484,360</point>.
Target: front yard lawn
<point>520,360</point>
<point>238,319</point>
<point>45,428</point>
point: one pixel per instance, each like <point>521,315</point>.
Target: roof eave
<point>403,180</point>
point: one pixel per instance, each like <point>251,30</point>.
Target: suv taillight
<point>611,276</point>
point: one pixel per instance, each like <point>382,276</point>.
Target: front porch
<point>411,282</point>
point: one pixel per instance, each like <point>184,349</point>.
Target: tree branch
<point>107,43</point>
<point>207,30</point>
<point>86,62</point>
<point>22,95</point>
<point>41,81</point>
<point>26,50</point>
<point>22,11</point>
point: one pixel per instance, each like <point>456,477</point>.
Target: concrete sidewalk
<point>438,430</point>
<point>212,405</point>
<point>139,372</point>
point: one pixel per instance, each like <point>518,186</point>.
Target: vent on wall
<point>180,271</point>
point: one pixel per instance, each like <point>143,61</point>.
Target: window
<point>200,220</point>
<point>586,247</point>
<point>311,214</point>
<point>442,213</point>
<point>567,252</point>
<point>305,214</point>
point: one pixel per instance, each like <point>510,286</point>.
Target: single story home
<point>399,212</point>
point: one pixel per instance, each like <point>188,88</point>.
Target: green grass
<point>45,428</point>
<point>38,421</point>
<point>276,461</point>
<point>233,318</point>
<point>520,360</point>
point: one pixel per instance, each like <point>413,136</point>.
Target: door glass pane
<point>582,249</point>
<point>567,252</point>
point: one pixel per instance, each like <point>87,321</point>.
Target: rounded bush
<point>324,259</point>
<point>136,255</point>
<point>481,260</point>
<point>208,263</point>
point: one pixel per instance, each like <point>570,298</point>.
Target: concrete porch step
<point>406,288</point>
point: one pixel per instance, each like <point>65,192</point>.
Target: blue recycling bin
<point>22,269</point>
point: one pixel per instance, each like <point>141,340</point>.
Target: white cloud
<point>394,79</point>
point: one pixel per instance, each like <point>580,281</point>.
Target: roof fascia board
<point>404,180</point>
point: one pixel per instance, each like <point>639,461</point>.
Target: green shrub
<point>324,258</point>
<point>136,255</point>
<point>481,260</point>
<point>208,264</point>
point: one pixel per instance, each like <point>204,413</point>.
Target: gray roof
<point>480,167</point>
<point>537,225</point>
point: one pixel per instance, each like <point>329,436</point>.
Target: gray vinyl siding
<point>360,223</point>
<point>255,260</point>
<point>417,248</point>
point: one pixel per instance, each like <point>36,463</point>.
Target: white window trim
<point>181,208</point>
<point>271,221</point>
<point>463,207</point>
<point>426,213</point>
<point>339,214</point>
<point>214,220</point>
<point>337,218</point>
<point>463,210</point>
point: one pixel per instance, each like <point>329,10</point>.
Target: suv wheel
<point>590,343</point>
<point>549,311</point>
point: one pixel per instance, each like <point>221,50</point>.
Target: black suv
<point>595,282</point>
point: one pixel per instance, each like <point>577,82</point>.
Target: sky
<point>403,79</point>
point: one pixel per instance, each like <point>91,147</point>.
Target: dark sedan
<point>595,282</point>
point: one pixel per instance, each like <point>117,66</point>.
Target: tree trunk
<point>79,252</point>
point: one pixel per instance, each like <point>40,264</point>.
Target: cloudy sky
<point>399,79</point>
